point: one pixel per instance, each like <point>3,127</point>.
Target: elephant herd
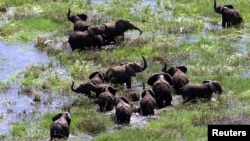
<point>161,84</point>
<point>86,36</point>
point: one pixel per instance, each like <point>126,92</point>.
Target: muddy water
<point>14,105</point>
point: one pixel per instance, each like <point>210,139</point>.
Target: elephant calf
<point>161,85</point>
<point>106,99</point>
<point>192,92</point>
<point>178,75</point>
<point>147,103</point>
<point>130,94</point>
<point>123,110</point>
<point>97,77</point>
<point>60,126</point>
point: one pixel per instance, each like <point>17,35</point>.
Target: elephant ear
<point>57,116</point>
<point>182,68</point>
<point>82,16</point>
<point>129,69</point>
<point>152,79</point>
<point>151,93</point>
<point>124,99</point>
<point>93,74</point>
<point>206,81</point>
<point>168,78</point>
<point>120,24</point>
<point>112,90</point>
<point>229,6</point>
<point>215,86</point>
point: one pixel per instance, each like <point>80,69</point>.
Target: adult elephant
<point>161,85</point>
<point>123,110</point>
<point>85,39</point>
<point>88,87</point>
<point>147,103</point>
<point>79,21</point>
<point>124,72</point>
<point>60,126</point>
<point>106,99</point>
<point>179,76</point>
<point>191,92</point>
<point>113,30</point>
<point>230,16</point>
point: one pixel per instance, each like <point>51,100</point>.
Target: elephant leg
<point>128,83</point>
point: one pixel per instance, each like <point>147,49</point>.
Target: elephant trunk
<point>164,68</point>
<point>145,63</point>
<point>215,5</point>
<point>72,87</point>
<point>68,15</point>
<point>138,30</point>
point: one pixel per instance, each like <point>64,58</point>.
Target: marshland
<point>38,67</point>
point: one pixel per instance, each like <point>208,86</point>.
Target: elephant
<point>179,76</point>
<point>60,126</point>
<point>230,16</point>
<point>192,92</point>
<point>76,17</point>
<point>161,85</point>
<point>124,72</point>
<point>79,21</point>
<point>106,99</point>
<point>123,110</point>
<point>131,95</point>
<point>113,30</point>
<point>81,39</point>
<point>148,102</point>
<point>88,87</point>
<point>97,77</point>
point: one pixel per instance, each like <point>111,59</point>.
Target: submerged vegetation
<point>179,32</point>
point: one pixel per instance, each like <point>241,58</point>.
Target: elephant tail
<point>145,63</point>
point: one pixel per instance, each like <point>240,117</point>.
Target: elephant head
<point>122,73</point>
<point>178,75</point>
<point>106,99</point>
<point>214,86</point>
<point>60,126</point>
<point>191,92</point>
<point>148,102</point>
<point>84,88</point>
<point>88,87</point>
<point>124,25</point>
<point>76,17</point>
<point>230,16</point>
<point>162,76</point>
<point>130,94</point>
<point>97,77</point>
<point>218,9</point>
<point>123,110</point>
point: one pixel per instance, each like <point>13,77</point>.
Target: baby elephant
<point>123,110</point>
<point>191,92</point>
<point>161,85</point>
<point>106,99</point>
<point>147,103</point>
<point>60,126</point>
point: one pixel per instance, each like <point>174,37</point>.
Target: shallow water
<point>15,105</point>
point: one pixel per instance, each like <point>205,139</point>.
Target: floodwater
<point>15,105</point>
